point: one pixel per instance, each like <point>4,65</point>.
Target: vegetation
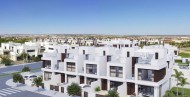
<point>24,56</point>
<point>173,93</point>
<point>17,78</point>
<point>14,39</point>
<point>35,59</point>
<point>37,82</point>
<point>181,64</point>
<point>25,69</point>
<point>112,93</point>
<point>6,60</point>
<point>74,89</point>
<point>181,45</point>
<point>183,82</point>
<point>184,55</point>
<point>178,75</point>
<point>97,89</point>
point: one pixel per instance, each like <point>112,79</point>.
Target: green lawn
<point>184,55</point>
<point>181,64</point>
<point>186,92</point>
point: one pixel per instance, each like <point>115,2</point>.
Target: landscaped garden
<point>184,55</point>
<point>173,92</point>
<point>180,63</point>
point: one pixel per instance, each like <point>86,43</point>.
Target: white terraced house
<point>14,50</point>
<point>131,70</point>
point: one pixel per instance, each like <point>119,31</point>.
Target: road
<point>6,91</point>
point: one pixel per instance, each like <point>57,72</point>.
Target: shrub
<point>17,78</point>
<point>25,69</point>
<point>97,89</point>
<point>112,93</point>
<point>74,89</point>
<point>6,60</point>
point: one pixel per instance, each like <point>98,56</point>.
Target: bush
<point>97,89</point>
<point>112,93</point>
<point>37,81</point>
<point>6,60</point>
<point>25,69</point>
<point>74,89</point>
<point>17,78</point>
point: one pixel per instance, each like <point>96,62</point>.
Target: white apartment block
<point>131,70</point>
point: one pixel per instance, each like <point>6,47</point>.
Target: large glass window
<point>116,71</point>
<point>91,68</point>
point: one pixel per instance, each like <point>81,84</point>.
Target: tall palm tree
<point>183,82</point>
<point>178,75</point>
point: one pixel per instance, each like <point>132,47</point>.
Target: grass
<point>186,92</point>
<point>7,74</point>
<point>184,55</point>
<point>181,64</point>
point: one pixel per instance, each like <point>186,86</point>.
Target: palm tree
<point>183,82</point>
<point>37,82</point>
<point>178,75</point>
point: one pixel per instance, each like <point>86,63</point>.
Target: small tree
<point>112,93</point>
<point>37,82</point>
<point>178,75</point>
<point>25,69</point>
<point>183,82</point>
<point>24,56</point>
<point>74,89</point>
<point>6,60</point>
<point>17,78</point>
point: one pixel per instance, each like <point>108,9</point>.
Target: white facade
<point>130,70</point>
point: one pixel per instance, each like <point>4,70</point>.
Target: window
<point>73,47</point>
<point>83,51</point>
<point>50,48</point>
<point>47,76</point>
<point>116,71</point>
<point>128,54</point>
<point>156,55</point>
<point>91,68</point>
<point>108,58</point>
<point>175,52</point>
<point>104,53</point>
<point>30,50</point>
<point>71,66</point>
<point>86,56</point>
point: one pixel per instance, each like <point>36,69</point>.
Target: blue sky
<point>116,17</point>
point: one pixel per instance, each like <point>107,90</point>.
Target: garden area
<point>180,63</point>
<point>184,55</point>
<point>173,92</point>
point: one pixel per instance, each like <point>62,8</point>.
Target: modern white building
<point>129,69</point>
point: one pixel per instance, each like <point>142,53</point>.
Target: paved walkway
<point>21,87</point>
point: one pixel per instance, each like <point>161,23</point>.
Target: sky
<point>113,17</point>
